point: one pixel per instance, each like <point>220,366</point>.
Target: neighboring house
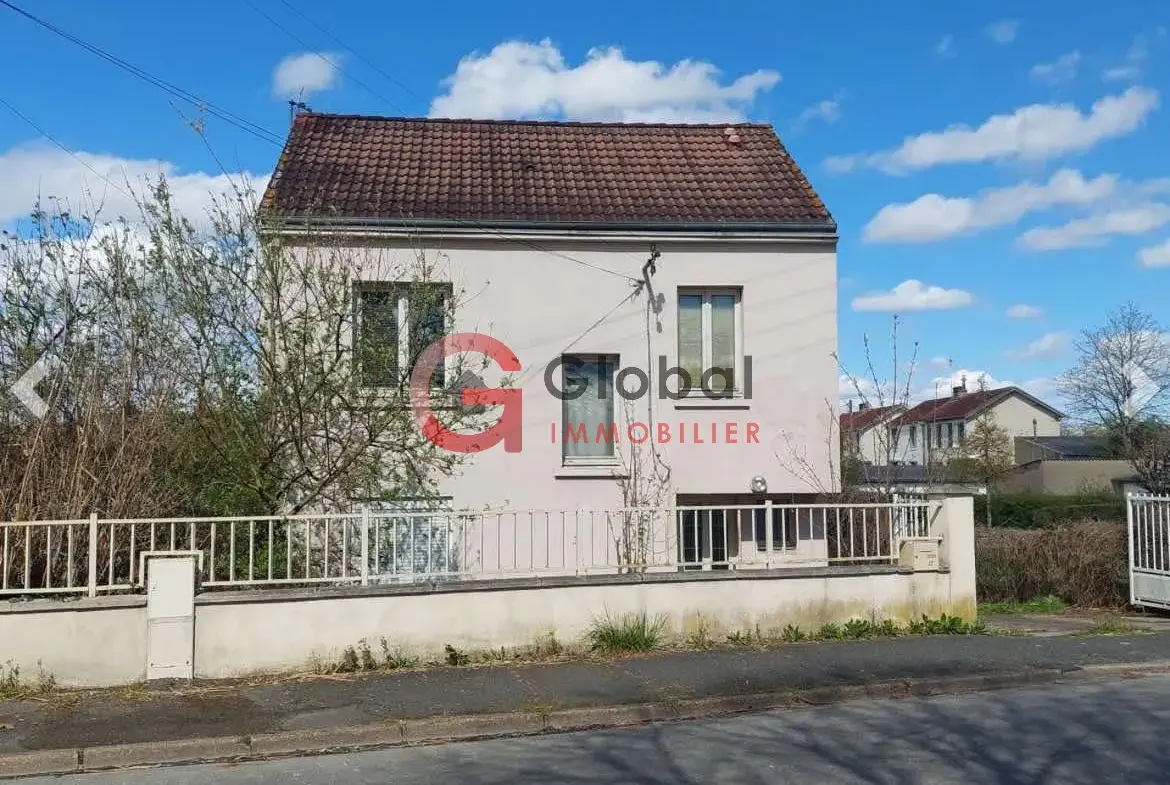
<point>936,429</point>
<point>548,226</point>
<point>1066,465</point>
<point>865,432</point>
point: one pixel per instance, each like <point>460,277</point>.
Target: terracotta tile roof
<point>860,420</point>
<point>494,172</point>
<point>966,406</point>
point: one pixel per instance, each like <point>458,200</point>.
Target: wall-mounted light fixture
<point>759,484</point>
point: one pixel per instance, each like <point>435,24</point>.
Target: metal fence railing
<point>94,556</point>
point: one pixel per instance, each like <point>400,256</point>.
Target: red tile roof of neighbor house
<point>965,406</point>
<point>865,418</point>
<point>508,172</point>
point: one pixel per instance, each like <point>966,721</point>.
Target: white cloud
<point>1062,69</point>
<point>935,217</point>
<point>1004,31</point>
<point>1032,133</point>
<point>518,79</point>
<point>39,169</point>
<point>945,46</point>
<point>1135,59</point>
<point>1096,229</point>
<point>1155,255</point>
<point>913,295</point>
<point>827,111</point>
<point>299,76</point>
<point>1043,348</point>
<point>1023,311</point>
<point>1121,73</point>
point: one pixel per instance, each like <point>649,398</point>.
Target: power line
<point>248,126</point>
<point>232,119</point>
<point>336,66</point>
<point>321,29</point>
<point>55,141</point>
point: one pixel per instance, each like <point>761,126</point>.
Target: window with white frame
<point>710,336</point>
<point>588,411</point>
<point>395,323</point>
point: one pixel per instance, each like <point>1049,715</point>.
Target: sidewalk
<point>237,714</point>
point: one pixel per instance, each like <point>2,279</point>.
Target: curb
<point>437,730</point>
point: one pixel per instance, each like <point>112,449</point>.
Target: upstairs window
<point>710,334</point>
<point>396,322</point>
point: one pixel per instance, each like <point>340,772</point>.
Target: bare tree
<point>645,481</point>
<point>217,365</point>
<point>1150,456</point>
<point>1121,375</point>
<point>878,391</point>
<point>1120,384</point>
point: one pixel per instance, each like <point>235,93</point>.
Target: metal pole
<point>1129,527</point>
<point>365,545</point>
<point>93,553</point>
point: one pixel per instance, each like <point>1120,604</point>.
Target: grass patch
<point>946,625</point>
<point>14,686</point>
<point>635,632</point>
<point>364,659</point>
<point>1110,624</point>
<point>1048,604</point>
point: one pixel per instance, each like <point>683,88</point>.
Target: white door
<point>170,614</point>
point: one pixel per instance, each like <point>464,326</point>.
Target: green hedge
<point>1041,511</point>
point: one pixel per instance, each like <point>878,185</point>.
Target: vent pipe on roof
<point>295,108</point>
<point>861,407</point>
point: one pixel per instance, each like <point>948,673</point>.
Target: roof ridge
<point>558,123</point>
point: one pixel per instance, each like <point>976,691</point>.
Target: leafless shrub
<point>1084,564</point>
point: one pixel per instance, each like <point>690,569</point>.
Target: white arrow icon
<point>1142,390</point>
<point>25,388</point>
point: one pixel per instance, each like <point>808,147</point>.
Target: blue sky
<point>976,156</point>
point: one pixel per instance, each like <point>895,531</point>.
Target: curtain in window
<point>690,336</point>
<point>723,341</point>
<point>427,309</point>
<point>378,337</point>
<point>592,408</point>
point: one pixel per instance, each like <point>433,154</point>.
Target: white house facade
<point>547,230</point>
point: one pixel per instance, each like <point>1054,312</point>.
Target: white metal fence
<point>96,555</point>
<point>1149,550</point>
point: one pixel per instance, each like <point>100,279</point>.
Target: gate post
<point>1129,531</point>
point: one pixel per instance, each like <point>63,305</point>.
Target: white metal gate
<point>1149,550</point>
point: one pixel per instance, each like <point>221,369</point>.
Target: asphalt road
<point>1112,732</point>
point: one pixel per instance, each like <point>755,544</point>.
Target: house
<point>1066,465</point>
<point>597,253</point>
<point>936,429</point>
<point>865,432</point>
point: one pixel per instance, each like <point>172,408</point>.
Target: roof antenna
<point>295,108</point>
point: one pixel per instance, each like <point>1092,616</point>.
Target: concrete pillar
<point>953,522</point>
